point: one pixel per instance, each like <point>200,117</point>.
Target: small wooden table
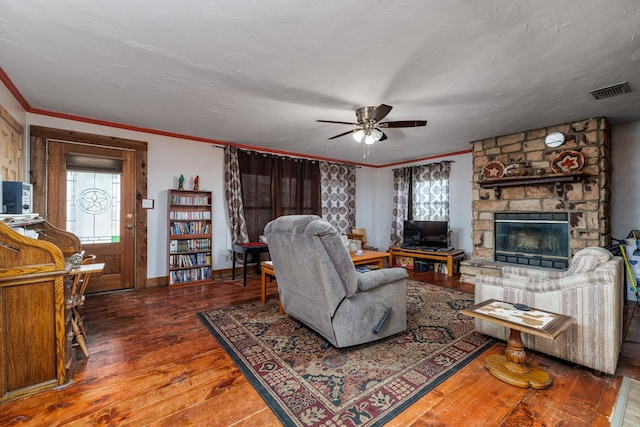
<point>267,270</point>
<point>451,257</point>
<point>76,319</point>
<point>511,367</point>
<point>86,268</point>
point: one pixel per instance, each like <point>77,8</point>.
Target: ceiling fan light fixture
<point>376,133</point>
<point>369,139</point>
<point>366,129</point>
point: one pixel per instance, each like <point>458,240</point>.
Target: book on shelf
<point>190,275</point>
<point>187,215</point>
<point>189,245</point>
<point>194,227</point>
<point>190,200</point>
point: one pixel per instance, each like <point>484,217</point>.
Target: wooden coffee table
<point>371,257</point>
<point>367,257</point>
<point>451,257</point>
<point>511,367</point>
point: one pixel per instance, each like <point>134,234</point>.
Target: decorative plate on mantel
<point>567,161</point>
<point>493,170</point>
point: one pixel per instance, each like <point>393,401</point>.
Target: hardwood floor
<point>152,362</point>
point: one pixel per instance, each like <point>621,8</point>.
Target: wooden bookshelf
<point>190,237</point>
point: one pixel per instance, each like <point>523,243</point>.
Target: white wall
<point>170,157</point>
<point>375,195</point>
<point>12,105</point>
<point>625,184</point>
<point>367,207</point>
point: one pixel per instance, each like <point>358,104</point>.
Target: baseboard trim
<point>225,273</point>
<point>157,282</point>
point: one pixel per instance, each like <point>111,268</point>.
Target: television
<point>425,234</point>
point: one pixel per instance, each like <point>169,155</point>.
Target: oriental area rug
<point>365,385</point>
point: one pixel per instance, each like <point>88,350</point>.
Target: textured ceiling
<point>260,72</point>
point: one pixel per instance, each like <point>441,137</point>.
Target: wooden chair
<point>76,301</point>
<point>359,234</point>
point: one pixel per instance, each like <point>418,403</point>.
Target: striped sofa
<point>591,291</point>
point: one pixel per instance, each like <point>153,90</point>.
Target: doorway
<point>93,191</point>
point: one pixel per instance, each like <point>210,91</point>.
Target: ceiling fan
<point>368,128</point>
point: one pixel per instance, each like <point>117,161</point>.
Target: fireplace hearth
<point>539,239</point>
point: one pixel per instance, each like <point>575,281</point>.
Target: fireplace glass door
<point>538,239</point>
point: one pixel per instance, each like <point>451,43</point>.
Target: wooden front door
<point>92,194</point>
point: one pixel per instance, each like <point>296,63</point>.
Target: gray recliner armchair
<point>320,287</point>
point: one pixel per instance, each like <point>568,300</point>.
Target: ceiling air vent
<point>609,91</point>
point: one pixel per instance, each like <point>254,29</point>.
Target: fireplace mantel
<point>510,181</point>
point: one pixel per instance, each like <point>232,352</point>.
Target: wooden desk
<point>450,257</point>
<point>251,249</point>
<point>511,367</point>
<point>35,352</point>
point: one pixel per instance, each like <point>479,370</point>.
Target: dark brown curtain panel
<point>273,186</point>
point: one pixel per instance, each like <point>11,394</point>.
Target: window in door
<point>93,206</point>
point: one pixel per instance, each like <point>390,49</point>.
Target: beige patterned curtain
<point>430,192</point>
<point>338,194</point>
<point>233,196</point>
<point>400,205</point>
<point>419,193</point>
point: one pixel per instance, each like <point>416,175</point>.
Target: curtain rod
<point>267,153</point>
<point>424,164</point>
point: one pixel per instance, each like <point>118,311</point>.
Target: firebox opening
<point>538,239</point>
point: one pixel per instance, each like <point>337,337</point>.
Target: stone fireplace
<point>580,198</point>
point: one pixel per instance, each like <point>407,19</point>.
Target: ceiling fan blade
<point>403,124</point>
<point>380,112</point>
<point>344,133</point>
<point>340,123</point>
<point>384,136</point>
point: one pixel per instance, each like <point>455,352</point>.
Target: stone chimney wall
<point>587,201</point>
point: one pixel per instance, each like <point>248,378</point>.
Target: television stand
<point>450,256</point>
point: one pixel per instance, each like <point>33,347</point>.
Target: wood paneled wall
<point>11,147</point>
